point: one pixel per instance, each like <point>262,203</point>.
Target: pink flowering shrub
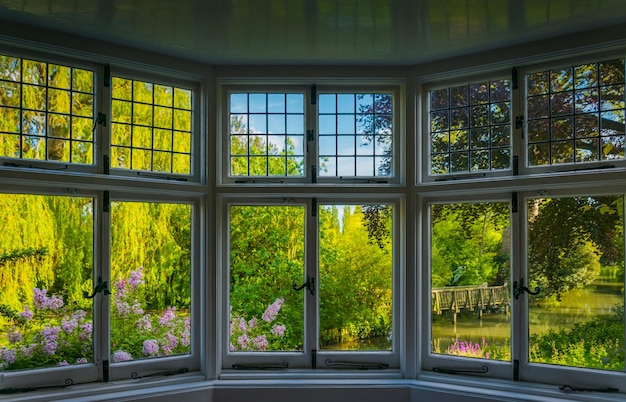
<point>257,335</point>
<point>136,333</point>
<point>50,333</point>
<point>469,349</point>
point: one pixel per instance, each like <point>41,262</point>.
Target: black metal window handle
<point>309,284</point>
<point>518,289</point>
<point>100,287</point>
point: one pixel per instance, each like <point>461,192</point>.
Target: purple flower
<point>150,347</point>
<point>260,342</point>
<point>272,310</point>
<point>168,316</point>
<point>69,325</point>
<point>136,278</point>
<point>243,341</point>
<point>278,330</point>
<point>8,355</point>
<point>43,302</point>
<point>170,342</point>
<point>86,331</point>
<point>242,324</point>
<point>81,360</point>
<point>252,323</point>
<point>27,314</point>
<point>232,347</point>
<point>63,363</point>
<point>14,335</point>
<point>144,323</point>
<point>27,351</point>
<point>121,356</point>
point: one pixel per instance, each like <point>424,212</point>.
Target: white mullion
<point>311,302</point>
<point>102,303</point>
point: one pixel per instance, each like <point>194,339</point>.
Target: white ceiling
<point>316,32</point>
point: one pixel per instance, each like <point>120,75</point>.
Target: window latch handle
<point>100,287</point>
<point>309,284</point>
<point>518,289</point>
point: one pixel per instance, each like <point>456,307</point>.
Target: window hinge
<point>313,174</point>
<point>514,78</point>
<point>482,370</point>
<point>514,202</point>
<point>309,137</point>
<point>314,206</point>
<point>106,161</point>
<point>359,366</point>
<point>282,366</point>
<point>519,122</point>
<point>105,371</point>
<point>313,359</point>
<point>107,76</point>
<point>106,202</point>
<point>515,370</point>
<point>313,94</point>
<point>515,165</point>
<point>136,376</point>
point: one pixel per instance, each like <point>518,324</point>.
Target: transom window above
<point>151,127</point>
<point>576,114</point>
<point>46,111</point>
<point>355,135</point>
<point>266,134</point>
<point>470,128</point>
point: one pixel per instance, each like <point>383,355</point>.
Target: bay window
<point>524,262</point>
<point>310,277</point>
<point>100,278</point>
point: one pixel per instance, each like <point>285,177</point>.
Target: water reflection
<point>577,306</point>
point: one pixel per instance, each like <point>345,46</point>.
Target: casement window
<point>151,127</point>
<point>302,134</point>
<point>470,127</point>
<point>520,280</point>
<point>575,114</point>
<point>97,285</point>
<point>47,111</point>
<point>311,284</point>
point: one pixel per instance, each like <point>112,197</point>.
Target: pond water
<point>577,306</point>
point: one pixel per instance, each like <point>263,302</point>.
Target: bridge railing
<point>478,297</point>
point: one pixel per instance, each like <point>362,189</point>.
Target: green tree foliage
<point>470,244</point>
<point>156,236</point>
<point>27,223</point>
<point>355,283</point>
<point>266,257</point>
<point>570,238</point>
<point>46,111</point>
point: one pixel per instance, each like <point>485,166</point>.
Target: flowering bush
<point>136,333</point>
<point>254,334</point>
<point>52,334</point>
<point>469,349</point>
<point>48,335</point>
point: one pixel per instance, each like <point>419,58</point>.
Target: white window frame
<point>197,141</point>
<point>21,164</point>
<point>103,185</point>
<point>442,362</point>
<point>430,83</point>
<point>522,145</point>
<point>311,97</point>
<point>573,179</point>
<point>302,360</point>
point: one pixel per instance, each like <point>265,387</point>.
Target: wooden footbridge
<point>472,298</point>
